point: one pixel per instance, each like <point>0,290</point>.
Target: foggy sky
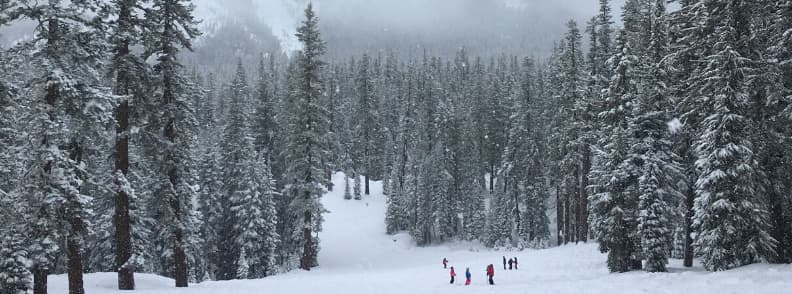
<point>361,25</point>
<point>534,23</point>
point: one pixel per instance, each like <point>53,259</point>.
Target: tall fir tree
<point>306,149</point>
<point>613,214</point>
<point>130,77</point>
<point>731,217</point>
<point>171,25</point>
<point>67,55</point>
<point>659,166</point>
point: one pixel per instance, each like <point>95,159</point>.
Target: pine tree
<point>613,205</point>
<point>70,109</point>
<point>238,183</point>
<point>659,168</point>
<point>130,73</point>
<point>683,31</point>
<point>772,115</point>
<point>14,275</point>
<point>306,146</point>
<point>570,94</point>
<point>731,217</point>
<point>366,125</point>
<point>264,126</point>
<point>171,26</point>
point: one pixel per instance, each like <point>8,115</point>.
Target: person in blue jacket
<point>467,277</point>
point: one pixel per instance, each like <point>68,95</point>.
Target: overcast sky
<point>537,22</point>
<point>446,17</point>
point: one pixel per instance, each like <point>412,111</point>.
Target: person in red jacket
<point>491,273</point>
<point>445,262</point>
<point>453,274</point>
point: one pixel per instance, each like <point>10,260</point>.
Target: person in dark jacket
<point>467,277</point>
<point>504,263</point>
<point>453,274</point>
<point>445,263</point>
<point>515,262</point>
<point>511,262</point>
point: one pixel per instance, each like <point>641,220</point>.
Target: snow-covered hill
<point>358,257</point>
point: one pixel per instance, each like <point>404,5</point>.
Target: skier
<point>467,277</point>
<point>515,263</point>
<point>511,262</point>
<point>453,274</point>
<point>504,263</point>
<point>491,273</point>
<point>445,263</point>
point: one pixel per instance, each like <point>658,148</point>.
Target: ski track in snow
<point>358,257</point>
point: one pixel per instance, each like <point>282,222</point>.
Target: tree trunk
<point>690,196</point>
<point>366,176</point>
<point>330,180</point>
<point>307,258</point>
<point>180,258</point>
<point>492,179</point>
<point>75,266</point>
<point>123,230</point>
<point>567,219</point>
<point>40,280</point>
<point>559,216</point>
<point>73,254</point>
<point>583,203</point>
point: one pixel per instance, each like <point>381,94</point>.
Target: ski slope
<point>358,257</point>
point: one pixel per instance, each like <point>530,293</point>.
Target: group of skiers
<point>490,270</point>
<point>512,262</point>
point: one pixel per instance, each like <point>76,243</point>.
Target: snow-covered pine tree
<point>238,183</point>
<point>170,26</point>
<point>257,218</point>
<point>397,214</point>
<point>70,107</point>
<point>306,146</point>
<point>772,114</point>
<point>356,184</point>
<point>521,168</point>
<point>731,217</point>
<point>613,205</point>
<point>249,189</point>
<point>264,125</point>
<point>15,277</point>
<point>683,31</point>
<point>130,75</point>
<point>366,125</point>
<point>653,150</point>
<point>347,192</point>
<point>571,93</point>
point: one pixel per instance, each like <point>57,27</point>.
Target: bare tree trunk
<point>123,229</point>
<point>330,180</point>
<point>366,176</point>
<point>40,280</point>
<point>179,255</point>
<point>492,179</point>
<point>306,262</point>
<point>559,216</point>
<point>74,256</point>
<point>75,266</point>
<point>689,198</point>
<point>567,219</point>
<point>583,203</point>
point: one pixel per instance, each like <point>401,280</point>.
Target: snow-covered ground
<point>358,257</point>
